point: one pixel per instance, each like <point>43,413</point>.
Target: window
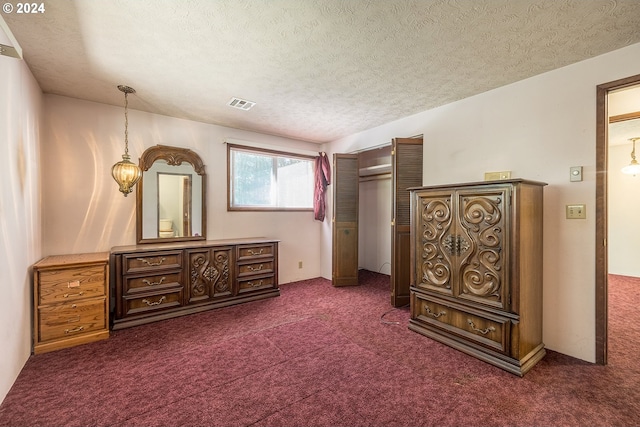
<point>269,180</point>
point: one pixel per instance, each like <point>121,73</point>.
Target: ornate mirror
<point>170,198</point>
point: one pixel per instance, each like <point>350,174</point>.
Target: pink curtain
<point>322,179</point>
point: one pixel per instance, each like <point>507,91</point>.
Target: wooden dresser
<point>153,282</point>
<point>70,294</point>
<point>477,269</point>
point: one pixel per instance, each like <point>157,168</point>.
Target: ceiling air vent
<point>241,104</point>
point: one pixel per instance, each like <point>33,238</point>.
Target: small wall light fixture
<point>124,172</point>
<point>634,167</point>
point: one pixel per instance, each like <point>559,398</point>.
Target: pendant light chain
<point>126,123</point>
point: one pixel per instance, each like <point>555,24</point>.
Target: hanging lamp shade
<point>126,173</point>
<point>632,168</point>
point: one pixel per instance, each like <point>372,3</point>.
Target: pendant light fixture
<point>124,172</point>
<point>634,167</point>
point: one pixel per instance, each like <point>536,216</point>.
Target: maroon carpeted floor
<point>321,356</point>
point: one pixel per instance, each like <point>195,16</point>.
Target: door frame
<point>602,124</point>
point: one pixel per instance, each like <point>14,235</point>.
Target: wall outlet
<point>576,211</point>
<point>299,264</point>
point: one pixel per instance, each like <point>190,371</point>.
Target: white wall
<point>623,190</point>
<point>20,117</point>
<point>83,211</point>
<point>537,128</point>
<point>374,225</point>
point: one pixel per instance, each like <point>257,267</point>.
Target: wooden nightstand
<point>71,300</point>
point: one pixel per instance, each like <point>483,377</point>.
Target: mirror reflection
<point>171,204</point>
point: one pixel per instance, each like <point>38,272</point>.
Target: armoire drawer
<point>67,320</point>
<point>473,325</point>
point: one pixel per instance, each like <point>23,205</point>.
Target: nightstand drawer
<point>70,284</point>
<point>266,250</point>
<point>67,320</point>
<point>485,329</point>
<point>151,261</point>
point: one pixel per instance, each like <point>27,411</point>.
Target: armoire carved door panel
<point>481,233</point>
<point>435,253</point>
<point>209,275</point>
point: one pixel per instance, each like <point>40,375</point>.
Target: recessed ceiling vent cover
<point>241,104</point>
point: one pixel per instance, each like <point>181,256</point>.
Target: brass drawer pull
<point>432,314</point>
<point>482,331</point>
<point>252,252</point>
<point>252,268</point>
<point>79,294</point>
<point>152,264</point>
<point>255,285</point>
<point>151,304</point>
<point>70,331</point>
<point>149,283</point>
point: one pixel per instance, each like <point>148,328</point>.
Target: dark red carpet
<point>321,356</point>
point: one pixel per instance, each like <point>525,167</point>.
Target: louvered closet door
<point>345,220</point>
<point>406,160</point>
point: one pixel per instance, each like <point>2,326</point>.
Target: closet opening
<point>371,213</point>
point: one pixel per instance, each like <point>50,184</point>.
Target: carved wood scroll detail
<point>209,274</point>
<point>436,221</point>
<point>174,156</point>
<point>481,219</point>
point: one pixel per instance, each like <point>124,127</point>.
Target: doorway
<point>602,217</point>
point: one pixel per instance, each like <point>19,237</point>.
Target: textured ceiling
<point>317,69</point>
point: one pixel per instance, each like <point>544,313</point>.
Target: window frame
<point>274,154</point>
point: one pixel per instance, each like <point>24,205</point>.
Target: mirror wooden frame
<point>174,156</point>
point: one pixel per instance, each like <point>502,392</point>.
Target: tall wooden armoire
<point>477,269</point>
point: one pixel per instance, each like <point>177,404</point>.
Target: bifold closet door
<point>406,163</point>
<point>345,220</point>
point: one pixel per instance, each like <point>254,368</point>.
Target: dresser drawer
<point>70,284</point>
<point>153,302</point>
<point>255,251</point>
<point>152,261</point>
<point>255,268</point>
<point>255,284</point>
<point>150,282</point>
<point>70,319</point>
<point>485,329</point>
